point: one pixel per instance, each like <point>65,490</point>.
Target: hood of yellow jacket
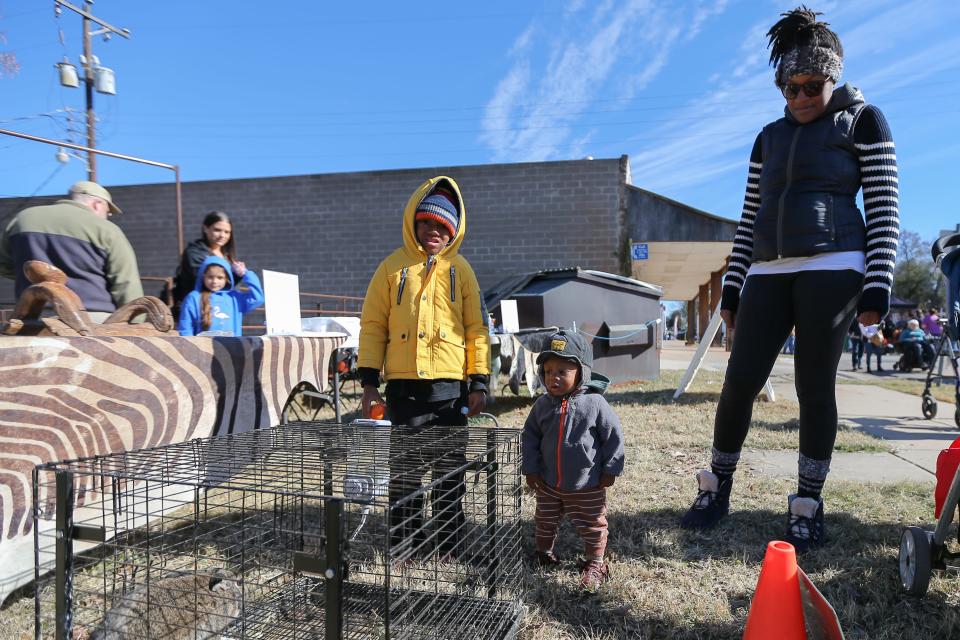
<point>409,226</point>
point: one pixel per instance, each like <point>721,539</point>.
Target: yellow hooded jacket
<point>425,324</point>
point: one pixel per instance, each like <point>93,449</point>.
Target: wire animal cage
<point>307,530</point>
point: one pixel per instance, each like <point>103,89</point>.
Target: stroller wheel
<point>915,560</point>
<point>929,407</point>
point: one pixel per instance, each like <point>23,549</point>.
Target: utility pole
<point>88,88</point>
<point>88,70</point>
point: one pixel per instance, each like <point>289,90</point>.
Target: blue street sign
<point>639,251</point>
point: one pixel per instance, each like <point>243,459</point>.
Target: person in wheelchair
<point>912,343</point>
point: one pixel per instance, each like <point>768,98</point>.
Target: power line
<point>379,133</point>
<point>20,203</point>
<point>354,112</point>
<point>48,114</point>
<point>8,16</point>
<point>423,19</point>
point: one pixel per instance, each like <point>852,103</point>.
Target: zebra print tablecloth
<point>63,398</point>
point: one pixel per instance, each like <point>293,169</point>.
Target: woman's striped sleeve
<point>881,204</point>
<point>742,253</point>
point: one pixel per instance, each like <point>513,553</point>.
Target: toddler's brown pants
<point>587,509</point>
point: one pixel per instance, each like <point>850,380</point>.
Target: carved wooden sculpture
<point>48,288</point>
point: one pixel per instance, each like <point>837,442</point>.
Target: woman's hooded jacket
<point>227,305</point>
<point>193,256</point>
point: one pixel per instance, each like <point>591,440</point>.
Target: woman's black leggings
<point>820,305</point>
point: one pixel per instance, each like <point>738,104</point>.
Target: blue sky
<point>246,89</point>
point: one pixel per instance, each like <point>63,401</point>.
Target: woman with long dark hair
<point>216,239</point>
<point>804,257</point>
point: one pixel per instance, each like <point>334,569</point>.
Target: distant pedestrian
<point>931,323</point>
<point>856,345</point>
<point>913,346</point>
<point>790,344</point>
<point>876,343</point>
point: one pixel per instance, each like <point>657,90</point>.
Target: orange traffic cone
<point>777,611</point>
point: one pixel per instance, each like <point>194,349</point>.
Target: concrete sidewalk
<point>890,415</point>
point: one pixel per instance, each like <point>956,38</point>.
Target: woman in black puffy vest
<point>804,257</point>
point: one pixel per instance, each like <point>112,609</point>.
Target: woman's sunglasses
<point>810,88</point>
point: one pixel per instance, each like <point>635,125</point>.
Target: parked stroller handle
<point>944,245</point>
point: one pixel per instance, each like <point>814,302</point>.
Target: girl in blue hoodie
<point>214,304</point>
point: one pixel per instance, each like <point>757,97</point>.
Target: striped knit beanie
<point>439,206</point>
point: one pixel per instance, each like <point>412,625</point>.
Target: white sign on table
<point>282,305</point>
<point>508,315</point>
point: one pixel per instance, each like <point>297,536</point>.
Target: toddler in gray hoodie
<point>572,451</point>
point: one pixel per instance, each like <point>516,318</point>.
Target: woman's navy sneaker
<point>712,502</point>
<point>804,523</point>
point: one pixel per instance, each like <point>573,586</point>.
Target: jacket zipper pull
<point>453,284</point>
<point>403,282</point>
<point>429,265</point>
<point>560,434</point>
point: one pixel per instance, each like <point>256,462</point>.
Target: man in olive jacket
<point>75,236</point>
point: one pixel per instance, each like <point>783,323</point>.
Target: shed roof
<point>514,284</point>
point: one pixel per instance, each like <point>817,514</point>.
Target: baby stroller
<point>946,254</point>
<point>922,551</point>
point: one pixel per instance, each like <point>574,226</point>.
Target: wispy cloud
<point>704,12</point>
<point>929,157</point>
<point>606,49</point>
<point>695,144</point>
<point>523,41</point>
<point>682,157</point>
<point>713,134</point>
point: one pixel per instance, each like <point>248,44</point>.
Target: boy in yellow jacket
<point>424,324</point>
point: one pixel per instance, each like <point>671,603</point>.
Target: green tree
<point>916,278</point>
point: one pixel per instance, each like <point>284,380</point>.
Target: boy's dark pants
<point>421,446</point>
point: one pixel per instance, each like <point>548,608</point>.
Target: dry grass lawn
<point>669,583</point>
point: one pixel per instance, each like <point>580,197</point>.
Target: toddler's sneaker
<point>593,575</point>
<point>712,502</point>
<point>804,523</point>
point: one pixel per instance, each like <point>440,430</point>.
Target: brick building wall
<point>333,229</point>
